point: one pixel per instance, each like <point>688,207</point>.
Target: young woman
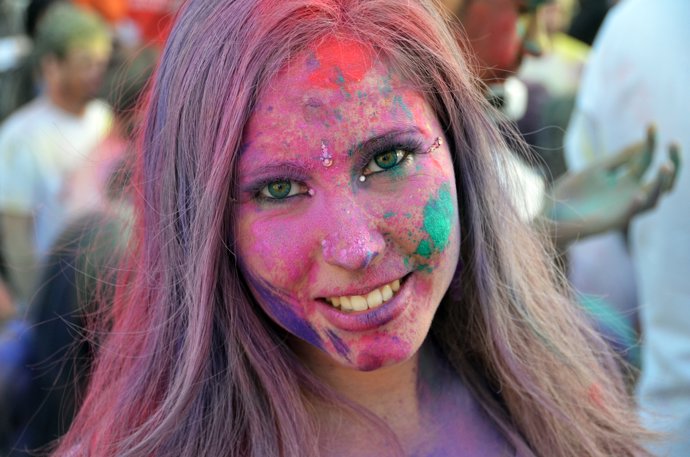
<point>327,259</point>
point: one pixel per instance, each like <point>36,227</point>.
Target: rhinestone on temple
<point>435,145</point>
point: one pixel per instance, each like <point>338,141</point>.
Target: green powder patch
<point>424,268</point>
<point>424,249</point>
<point>438,222</point>
<point>388,215</point>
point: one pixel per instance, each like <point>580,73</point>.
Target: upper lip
<point>363,290</point>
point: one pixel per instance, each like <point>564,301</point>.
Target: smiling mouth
<point>372,300</point>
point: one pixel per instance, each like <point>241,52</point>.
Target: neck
<point>422,401</point>
<point>389,392</point>
<point>74,107</point>
<point>418,400</point>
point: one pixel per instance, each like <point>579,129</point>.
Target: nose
<point>353,242</point>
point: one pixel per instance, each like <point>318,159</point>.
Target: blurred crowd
<point>72,77</point>
<point>72,81</point>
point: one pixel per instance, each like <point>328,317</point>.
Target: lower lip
<point>370,319</point>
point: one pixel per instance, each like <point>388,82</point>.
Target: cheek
<point>275,263</point>
<point>275,250</point>
<point>424,223</point>
<point>280,310</point>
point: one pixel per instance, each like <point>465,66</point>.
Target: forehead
<point>92,48</point>
<point>337,91</point>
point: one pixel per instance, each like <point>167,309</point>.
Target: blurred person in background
<point>639,73</point>
<point>52,350</point>
<point>90,186</point>
<point>500,34</point>
<point>136,23</point>
<point>588,19</point>
<point>46,359</point>
<point>42,143</point>
<point>14,47</point>
<point>18,80</point>
<point>552,79</point>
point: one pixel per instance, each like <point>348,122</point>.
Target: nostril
<point>370,256</point>
<point>353,251</point>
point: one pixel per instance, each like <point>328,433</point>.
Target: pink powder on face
<point>386,349</point>
<point>333,235</point>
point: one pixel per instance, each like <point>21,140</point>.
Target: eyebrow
<point>385,138</point>
<point>300,168</point>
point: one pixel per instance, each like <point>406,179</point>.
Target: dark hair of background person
<point>76,278</point>
<point>34,12</point>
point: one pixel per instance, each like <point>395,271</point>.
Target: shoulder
<point>23,126</point>
<point>98,111</point>
<point>21,120</point>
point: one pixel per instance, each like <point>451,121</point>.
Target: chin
<point>377,350</point>
<point>370,361</point>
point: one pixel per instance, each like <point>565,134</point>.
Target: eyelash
<point>408,148</point>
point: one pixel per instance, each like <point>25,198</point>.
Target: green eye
<point>282,190</point>
<point>279,189</point>
<point>386,160</point>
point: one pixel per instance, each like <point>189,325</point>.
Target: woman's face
<point>348,232</point>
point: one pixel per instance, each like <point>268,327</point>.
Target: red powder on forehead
<point>339,62</point>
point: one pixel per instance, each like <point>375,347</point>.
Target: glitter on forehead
<point>326,157</point>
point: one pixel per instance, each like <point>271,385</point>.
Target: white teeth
<point>359,303</point>
<point>386,292</point>
<point>345,303</point>
<point>372,300</point>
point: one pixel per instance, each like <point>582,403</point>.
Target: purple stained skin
<point>338,343</point>
<point>330,234</point>
<point>281,311</point>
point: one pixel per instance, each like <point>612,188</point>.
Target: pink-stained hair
<point>193,367</point>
